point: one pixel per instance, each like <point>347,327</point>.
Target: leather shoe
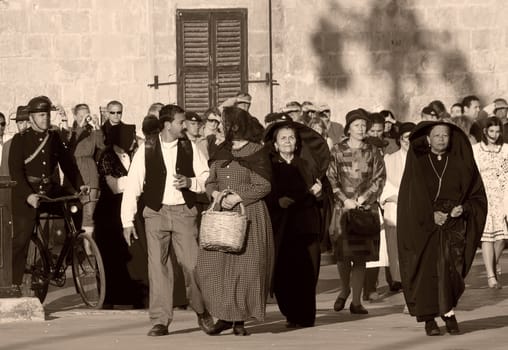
<point>220,326</point>
<point>239,329</point>
<point>452,326</point>
<point>395,287</point>
<point>205,322</point>
<point>158,330</point>
<point>339,304</point>
<point>431,328</point>
<point>358,309</point>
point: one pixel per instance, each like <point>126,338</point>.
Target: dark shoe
<point>395,287</point>
<point>239,329</point>
<point>452,326</point>
<point>290,324</point>
<point>158,330</point>
<point>358,309</point>
<point>431,328</point>
<point>220,326</point>
<point>205,322</point>
<point>340,303</point>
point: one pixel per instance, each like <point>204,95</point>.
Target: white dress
<point>493,167</point>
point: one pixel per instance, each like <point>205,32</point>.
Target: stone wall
<point>397,54</point>
<point>75,51</point>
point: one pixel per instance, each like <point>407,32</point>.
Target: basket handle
<point>220,197</point>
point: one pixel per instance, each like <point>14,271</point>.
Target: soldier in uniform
<point>33,163</point>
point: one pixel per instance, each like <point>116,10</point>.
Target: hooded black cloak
<point>434,259</point>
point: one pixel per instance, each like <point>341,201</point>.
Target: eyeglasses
<point>112,112</point>
<point>2,123</point>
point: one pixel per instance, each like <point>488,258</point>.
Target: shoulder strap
<point>38,150</point>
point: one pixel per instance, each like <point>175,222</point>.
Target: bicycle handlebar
<point>46,199</point>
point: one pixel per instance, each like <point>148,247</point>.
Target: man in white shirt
<point>169,170</point>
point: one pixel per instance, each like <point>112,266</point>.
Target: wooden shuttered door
<point>212,52</point>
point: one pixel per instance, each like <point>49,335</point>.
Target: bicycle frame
<point>59,266</point>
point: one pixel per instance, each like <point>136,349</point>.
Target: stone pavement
<point>482,314</point>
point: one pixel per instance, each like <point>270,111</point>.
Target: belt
<point>41,180</point>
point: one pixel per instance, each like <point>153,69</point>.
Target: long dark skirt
<point>438,283</point>
<point>296,277</point>
<point>121,289</point>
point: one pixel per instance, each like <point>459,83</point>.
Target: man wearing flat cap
<point>193,123</point>
<point>22,123</point>
<point>34,157</point>
<point>170,172</point>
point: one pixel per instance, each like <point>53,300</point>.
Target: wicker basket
<point>223,231</point>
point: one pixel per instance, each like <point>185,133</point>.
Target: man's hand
<point>181,182</point>
<point>440,217</point>
<point>129,233</point>
<point>33,200</point>
<point>285,202</point>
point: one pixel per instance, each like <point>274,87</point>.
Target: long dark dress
<point>120,288</point>
<point>297,232</point>
<point>435,259</point>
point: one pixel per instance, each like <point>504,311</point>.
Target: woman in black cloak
<point>296,219</point>
<point>441,209</point>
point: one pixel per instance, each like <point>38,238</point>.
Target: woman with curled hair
<point>235,286</point>
<point>491,156</point>
<point>357,175</point>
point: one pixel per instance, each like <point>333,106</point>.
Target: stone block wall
<point>75,51</point>
<point>397,54</point>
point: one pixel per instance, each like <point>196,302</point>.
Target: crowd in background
<point>300,177</point>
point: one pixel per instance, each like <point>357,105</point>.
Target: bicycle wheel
<point>88,271</point>
<point>37,265</point>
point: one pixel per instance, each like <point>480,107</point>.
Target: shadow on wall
<point>398,44</point>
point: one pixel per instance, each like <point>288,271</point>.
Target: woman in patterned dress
<point>491,156</point>
<point>357,174</point>
<point>235,286</point>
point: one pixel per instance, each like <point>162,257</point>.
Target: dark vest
<point>155,175</point>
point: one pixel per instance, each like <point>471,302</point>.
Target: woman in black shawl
<point>442,208</point>
<point>296,220</point>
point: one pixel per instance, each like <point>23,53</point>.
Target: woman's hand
<point>440,217</point>
<point>285,202</point>
<point>350,204</point>
<point>230,201</point>
<point>457,211</point>
<point>316,188</point>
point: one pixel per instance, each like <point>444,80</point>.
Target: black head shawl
<point>258,162</point>
<point>415,223</point>
<point>314,149</point>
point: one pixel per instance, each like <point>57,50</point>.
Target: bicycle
<point>79,250</point>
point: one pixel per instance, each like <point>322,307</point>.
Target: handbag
<point>361,222</point>
<point>223,231</point>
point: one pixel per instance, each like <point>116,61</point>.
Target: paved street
<point>482,313</point>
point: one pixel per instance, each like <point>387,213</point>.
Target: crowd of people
<point>415,198</point>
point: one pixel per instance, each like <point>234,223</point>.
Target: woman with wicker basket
<point>235,285</point>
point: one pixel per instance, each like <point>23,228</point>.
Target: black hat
<point>21,114</point>
<point>39,104</point>
<point>276,117</point>
<point>355,114</point>
<point>406,127</point>
<point>151,125</point>
<point>192,116</point>
<point>122,135</point>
